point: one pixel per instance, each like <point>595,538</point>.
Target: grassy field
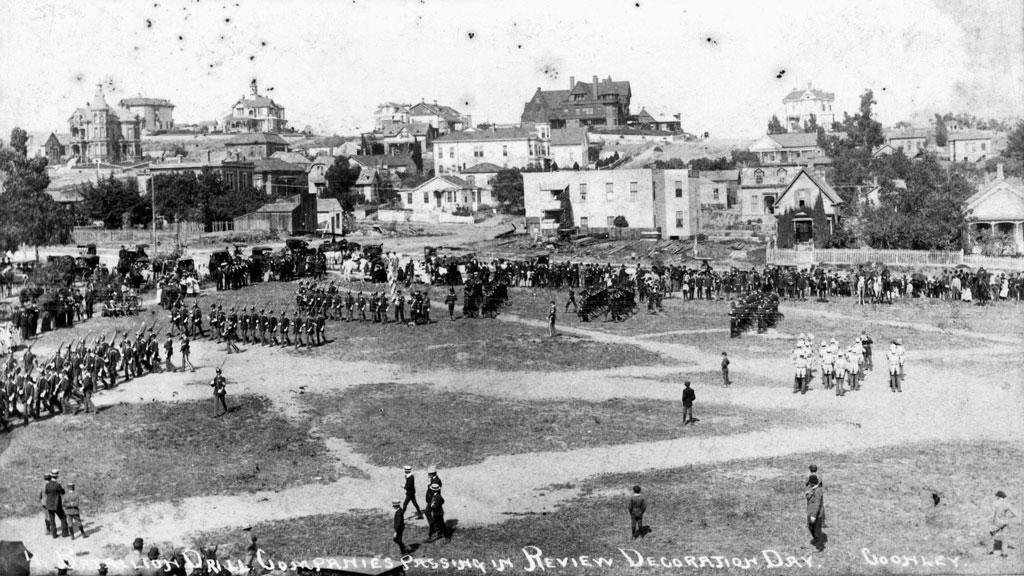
<point>161,452</point>
<point>451,429</point>
<point>876,500</point>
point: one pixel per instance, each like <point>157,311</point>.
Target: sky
<point>723,65</point>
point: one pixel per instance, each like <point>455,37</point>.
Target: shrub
<point>620,222</point>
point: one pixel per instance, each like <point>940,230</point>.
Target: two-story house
<point>155,114</point>
<point>912,141</point>
<point>801,104</point>
<point>800,196</point>
<point>647,199</point>
<point>100,133</point>
<point>969,146</point>
<point>255,113</point>
<point>257,145</point>
<point>792,148</point>
<point>522,147</point>
<point>598,103</point>
<point>442,118</point>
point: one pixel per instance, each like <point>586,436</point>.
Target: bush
<point>620,222</point>
<point>462,211</point>
<point>484,208</point>
<point>702,237</point>
<point>658,149</point>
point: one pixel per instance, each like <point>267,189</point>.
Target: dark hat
<point>636,489</point>
<point>218,370</point>
<point>1000,494</point>
<point>137,544</point>
<point>153,553</point>
<point>813,480</point>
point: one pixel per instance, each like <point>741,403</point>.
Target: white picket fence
<point>919,258</point>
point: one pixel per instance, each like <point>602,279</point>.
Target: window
<point>680,219</point>
<point>982,146</point>
<point>781,173</point>
<point>451,152</point>
<point>759,177</point>
<point>679,188</point>
<point>716,194</point>
<point>471,179</point>
<point>802,203</point>
<point>634,191</point>
<point>408,199</point>
<point>753,203</point>
<point>426,197</point>
<point>611,221</point>
<point>504,150</point>
<point>583,222</point>
<point>583,192</point>
<point>609,191</point>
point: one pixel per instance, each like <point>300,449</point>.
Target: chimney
<point>999,171</point>
<point>572,82</point>
<point>809,86</point>
<point>594,88</point>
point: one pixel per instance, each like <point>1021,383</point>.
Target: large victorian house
<point>104,134</point>
<point>255,113</point>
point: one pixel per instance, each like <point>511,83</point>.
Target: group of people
<point>61,504</point>
<point>74,373</point>
<point>842,368</point>
<point>433,508</point>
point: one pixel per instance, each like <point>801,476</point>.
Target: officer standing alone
<point>220,391</point>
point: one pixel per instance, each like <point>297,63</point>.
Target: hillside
<point>686,151</point>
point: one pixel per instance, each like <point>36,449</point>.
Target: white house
<point>999,207</point>
<point>650,200</point>
<point>800,196</point>
<point>801,104</point>
<point>569,147</point>
<point>329,215</point>
<point>969,146</point>
<point>794,148</point>
<point>444,193</point>
<point>529,145</point>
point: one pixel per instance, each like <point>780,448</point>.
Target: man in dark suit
<point>815,512</point>
<point>688,397</point>
<point>399,525</point>
<point>410,492</point>
<point>52,493</point>
<point>432,480</point>
<point>637,507</point>
<point>437,512</point>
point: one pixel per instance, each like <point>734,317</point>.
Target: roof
<point>748,176</point>
<point>448,113</point>
<point>415,128</point>
<point>721,175</point>
<point>276,165</point>
<point>1014,186</point>
<point>328,205</point>
<point>288,204</point>
<point>140,101</point>
<point>455,181</point>
<point>483,168</point>
<point>906,133</point>
<point>257,102</point>
<point>796,140</point>
<point>645,116</point>
<point>291,157</point>
<point>568,136</point>
<point>798,94</point>
<point>378,160</point>
<point>125,115</point>
<point>365,177</point>
<point>202,123</point>
<point>604,87</point>
<point>826,190</point>
<point>256,138</point>
<point>969,135</point>
<point>489,134</point>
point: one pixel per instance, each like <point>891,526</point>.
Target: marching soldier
<point>169,353</point>
<point>827,362</point>
<point>262,325</point>
<point>350,305</point>
<point>197,321</point>
<point>840,368</point>
<point>230,335</point>
<point>297,328</point>
<point>285,325</point>
<point>272,327</point>
<point>800,373</point>
<point>186,351</point>
<point>243,323</point>
<point>321,325</point>
<point>451,299</point>
<point>361,304</point>
<point>893,360</point>
<point>900,354</point>
<point>254,324</point>
<point>220,391</point>
<point>866,342</point>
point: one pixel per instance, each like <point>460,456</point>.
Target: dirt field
<point>505,412</point>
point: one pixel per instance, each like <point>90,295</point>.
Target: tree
<point>941,132</point>
<point>811,126</point>
<point>111,199</point>
<point>417,155</point>
<point>568,223</point>
<point>177,150</point>
<point>1015,143</point>
<point>177,197</point>
<point>784,232</point>
<point>341,176</point>
<point>620,222</point>
<point>775,126</point>
<point>820,224</point>
<point>232,203</point>
<point>28,215</point>
<point>19,141</point>
<point>507,188</point>
<point>744,158</point>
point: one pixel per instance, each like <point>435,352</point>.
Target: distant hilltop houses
<point>255,113</point>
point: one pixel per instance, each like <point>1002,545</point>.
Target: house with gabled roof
<point>912,141</point>
<point>155,114</point>
<point>279,178</point>
<point>518,147</point>
<point>998,208</point>
<point>790,148</point>
<point>444,193</point>
<point>101,133</point>
<point>255,113</point>
<point>443,118</point>
<point>802,103</point>
<point>256,145</point>
<point>801,195</point>
<point>597,103</point>
<point>647,121</point>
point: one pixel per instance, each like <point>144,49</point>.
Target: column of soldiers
<point>76,372</point>
<point>842,369</point>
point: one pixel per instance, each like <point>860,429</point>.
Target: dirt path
<point>938,404</point>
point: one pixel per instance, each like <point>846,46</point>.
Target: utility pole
<point>152,197</point>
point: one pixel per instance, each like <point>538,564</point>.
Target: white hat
<point>431,469</point>
<point>408,468</point>
<point>54,472</point>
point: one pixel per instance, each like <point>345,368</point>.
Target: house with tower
<point>802,103</point>
<point>255,113</point>
<point>102,133</point>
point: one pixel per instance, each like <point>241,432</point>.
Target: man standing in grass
<point>552,316</point>
<point>637,507</point>
<point>1002,519</point>
<point>399,525</point>
<point>725,369</point>
<point>410,492</point>
<point>688,397</point>
<point>220,391</point>
<point>815,512</point>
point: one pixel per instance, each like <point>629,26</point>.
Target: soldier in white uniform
<point>800,374</point>
<point>853,372</point>
<point>827,361</point>
<point>892,359</point>
<point>900,353</point>
<point>839,368</point>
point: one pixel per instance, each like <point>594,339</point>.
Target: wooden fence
<point>913,258</point>
<point>170,233</point>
